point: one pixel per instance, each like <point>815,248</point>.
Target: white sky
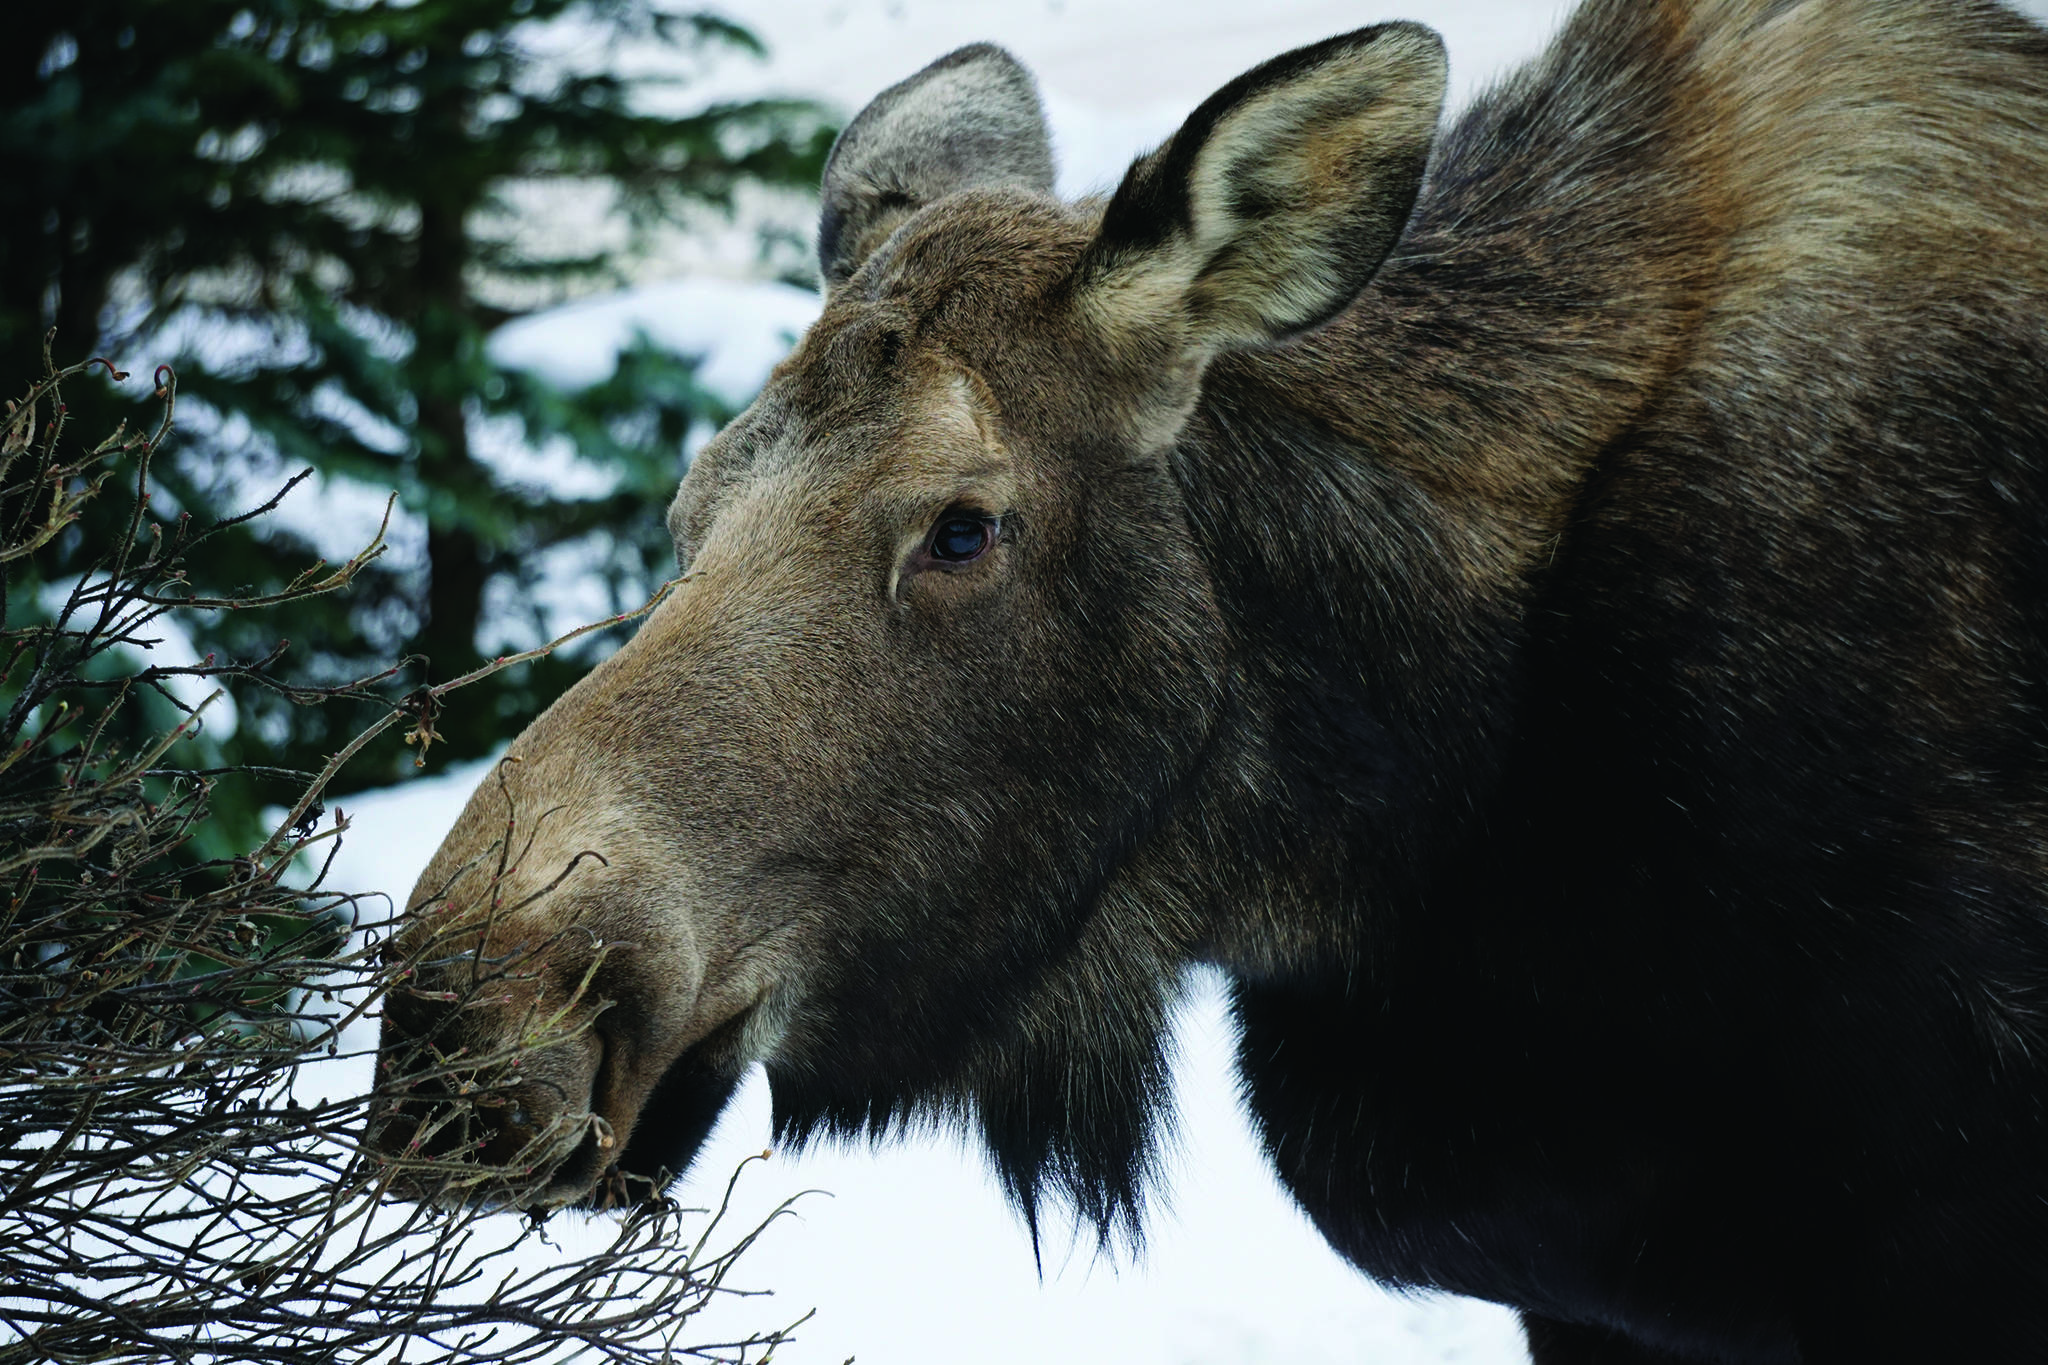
<point>913,1258</point>
<point>1119,58</point>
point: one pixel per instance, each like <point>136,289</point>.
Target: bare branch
<point>177,1181</point>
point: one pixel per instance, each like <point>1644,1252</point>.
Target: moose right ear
<point>970,118</point>
<point>1278,199</point>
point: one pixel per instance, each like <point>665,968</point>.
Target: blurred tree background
<point>318,210</point>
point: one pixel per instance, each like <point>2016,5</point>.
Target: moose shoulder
<point>1566,632</point>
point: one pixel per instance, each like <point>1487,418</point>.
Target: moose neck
<point>1381,502</point>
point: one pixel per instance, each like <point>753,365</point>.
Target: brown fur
<point>1607,662</point>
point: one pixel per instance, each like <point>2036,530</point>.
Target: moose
<point>1555,610</point>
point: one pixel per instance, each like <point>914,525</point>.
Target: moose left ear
<point>1280,196</point>
<point>970,118</point>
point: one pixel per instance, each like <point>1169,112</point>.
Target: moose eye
<point>961,539</point>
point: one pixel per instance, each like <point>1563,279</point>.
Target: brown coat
<point>1575,654</point>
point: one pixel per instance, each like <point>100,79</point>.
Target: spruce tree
<point>318,196</point>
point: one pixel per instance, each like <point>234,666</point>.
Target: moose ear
<point>1280,196</point>
<point>970,118</point>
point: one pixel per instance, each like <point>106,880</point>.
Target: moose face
<point>869,796</point>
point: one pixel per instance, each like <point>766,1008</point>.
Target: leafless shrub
<point>185,1069</point>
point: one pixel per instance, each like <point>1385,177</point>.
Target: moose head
<point>917,788</point>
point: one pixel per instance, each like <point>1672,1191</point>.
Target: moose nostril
<point>472,1108</point>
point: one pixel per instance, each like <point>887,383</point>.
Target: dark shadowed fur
<point>1584,675</point>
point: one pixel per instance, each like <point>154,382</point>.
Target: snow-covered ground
<point>912,1256</point>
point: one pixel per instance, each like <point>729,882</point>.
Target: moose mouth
<point>666,1135</point>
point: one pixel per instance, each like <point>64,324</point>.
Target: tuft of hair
<point>1084,1126</point>
<point>1072,1116</point>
